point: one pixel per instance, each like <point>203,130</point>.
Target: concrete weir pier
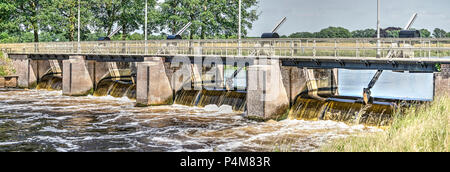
<point>29,71</point>
<point>266,94</point>
<point>76,78</point>
<point>153,86</point>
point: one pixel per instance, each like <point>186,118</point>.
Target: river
<point>41,120</point>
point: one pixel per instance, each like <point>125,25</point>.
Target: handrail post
<point>314,48</point>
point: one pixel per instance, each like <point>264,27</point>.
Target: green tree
<point>8,26</point>
<point>61,19</point>
<point>424,33</point>
<point>213,17</point>
<point>393,33</point>
<point>301,35</point>
<point>28,13</point>
<point>128,14</point>
<point>439,33</point>
<point>367,33</point>
<point>334,32</point>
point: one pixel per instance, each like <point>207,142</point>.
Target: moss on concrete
<point>280,114</point>
<point>168,101</point>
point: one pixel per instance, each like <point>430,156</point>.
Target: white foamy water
<point>39,120</point>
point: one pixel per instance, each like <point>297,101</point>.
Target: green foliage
<point>367,33</point>
<point>334,32</point>
<point>56,20</point>
<point>439,33</point>
<point>393,33</point>
<point>212,18</point>
<point>60,18</point>
<point>6,66</point>
<point>424,33</point>
<point>438,67</point>
<point>302,35</point>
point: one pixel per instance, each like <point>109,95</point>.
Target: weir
<point>280,81</point>
<point>297,94</point>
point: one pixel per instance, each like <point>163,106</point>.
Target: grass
<point>417,129</point>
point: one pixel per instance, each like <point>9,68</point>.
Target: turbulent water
<point>40,120</point>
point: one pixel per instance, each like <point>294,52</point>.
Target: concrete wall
<point>153,86</point>
<point>30,71</point>
<point>266,93</point>
<point>294,81</point>
<point>442,80</point>
<point>27,77</point>
<point>77,80</point>
<point>97,71</point>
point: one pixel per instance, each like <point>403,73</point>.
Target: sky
<point>314,15</point>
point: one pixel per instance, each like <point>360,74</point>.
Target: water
<point>390,85</point>
<point>40,120</point>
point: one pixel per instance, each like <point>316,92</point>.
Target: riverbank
<point>418,129</point>
<point>6,66</point>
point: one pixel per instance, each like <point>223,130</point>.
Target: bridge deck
<point>395,54</point>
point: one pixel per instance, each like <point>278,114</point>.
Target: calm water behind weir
<point>40,120</point>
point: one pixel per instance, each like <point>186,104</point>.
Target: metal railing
<point>288,48</point>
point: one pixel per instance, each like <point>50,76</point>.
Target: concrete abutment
<point>266,93</point>
<point>442,81</point>
<point>153,86</point>
<point>76,78</point>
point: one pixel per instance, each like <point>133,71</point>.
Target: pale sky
<point>313,15</point>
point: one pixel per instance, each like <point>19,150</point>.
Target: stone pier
<point>294,80</point>
<point>76,77</point>
<point>29,71</point>
<point>266,93</point>
<point>153,86</point>
<point>24,70</point>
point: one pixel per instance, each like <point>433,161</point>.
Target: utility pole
<point>239,29</point>
<point>145,31</point>
<point>79,45</point>
<point>378,29</point>
<point>240,15</point>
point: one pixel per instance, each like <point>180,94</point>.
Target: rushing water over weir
<point>40,120</point>
<point>45,120</point>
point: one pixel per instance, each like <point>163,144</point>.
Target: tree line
<point>56,20</point>
<point>340,32</point>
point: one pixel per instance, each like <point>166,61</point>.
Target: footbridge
<point>277,70</point>
<point>393,54</point>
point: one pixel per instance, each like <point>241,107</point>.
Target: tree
<point>28,13</point>
<point>367,33</point>
<point>334,32</point>
<point>61,19</point>
<point>439,33</point>
<point>448,35</point>
<point>213,17</point>
<point>131,16</point>
<point>128,14</point>
<point>393,33</point>
<point>301,35</point>
<point>424,33</point>
<point>8,26</point>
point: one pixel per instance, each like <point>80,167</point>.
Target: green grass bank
<point>6,67</point>
<point>422,128</point>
